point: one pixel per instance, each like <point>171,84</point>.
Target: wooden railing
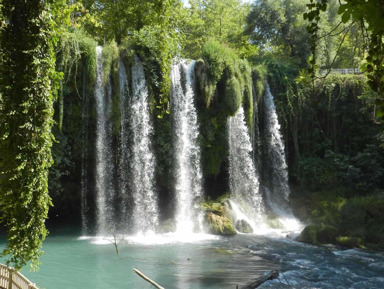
<point>11,279</point>
<point>340,71</point>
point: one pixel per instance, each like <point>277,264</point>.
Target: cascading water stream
<point>188,181</point>
<point>142,161</point>
<point>104,153</point>
<point>123,150</point>
<point>84,158</point>
<point>278,194</point>
<point>243,180</point>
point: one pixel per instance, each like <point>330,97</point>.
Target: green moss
<point>259,78</point>
<point>350,242</point>
<point>219,225</point>
<point>217,217</point>
<point>233,96</point>
<point>224,67</point>
<point>309,235</point>
<point>223,84</point>
<point>110,58</point>
<point>318,234</point>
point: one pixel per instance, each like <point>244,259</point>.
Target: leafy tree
<point>278,26</point>
<point>28,82</point>
<point>367,14</point>
<point>116,19</point>
<point>218,20</point>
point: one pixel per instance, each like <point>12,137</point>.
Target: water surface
<point>90,263</point>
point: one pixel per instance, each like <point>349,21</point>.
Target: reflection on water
<point>217,263</point>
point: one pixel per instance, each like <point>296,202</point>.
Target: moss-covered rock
<point>217,217</point>
<point>219,225</point>
<point>315,235</point>
<point>308,235</point>
<point>350,242</point>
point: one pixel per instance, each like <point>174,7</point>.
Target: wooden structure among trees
<point>11,279</point>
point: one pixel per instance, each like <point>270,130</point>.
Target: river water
<point>201,261</point>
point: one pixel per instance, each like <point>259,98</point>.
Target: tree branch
<point>147,279</point>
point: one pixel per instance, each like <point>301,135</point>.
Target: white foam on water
<point>150,238</point>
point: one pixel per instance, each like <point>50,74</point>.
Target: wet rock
<point>243,226</point>
<point>219,225</point>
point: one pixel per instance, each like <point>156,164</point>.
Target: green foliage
<point>218,58</point>
<point>362,218</point>
<point>110,58</point>
<point>28,83</point>
<point>332,130</point>
<point>157,46</point>
<point>220,20</point>
<point>279,30</point>
<point>223,84</point>
<point>75,51</point>
<point>225,67</point>
<point>74,46</point>
<point>354,222</point>
<point>368,14</point>
<point>259,76</point>
<point>233,96</point>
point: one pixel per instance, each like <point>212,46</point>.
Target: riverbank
<point>335,218</point>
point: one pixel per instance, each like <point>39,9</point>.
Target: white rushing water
<point>243,180</point>
<point>279,191</point>
<point>123,150</point>
<point>142,162</point>
<point>84,158</point>
<point>104,152</point>
<point>188,180</point>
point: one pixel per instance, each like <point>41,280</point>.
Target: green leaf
<point>346,16</point>
<point>343,8</point>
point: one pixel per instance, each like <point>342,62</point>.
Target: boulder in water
<point>316,235</point>
<point>219,224</point>
<point>168,226</point>
<point>243,226</point>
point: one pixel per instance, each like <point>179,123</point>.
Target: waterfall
<point>104,152</point>
<point>256,140</point>
<point>123,151</point>
<point>188,179</point>
<point>243,179</point>
<point>142,161</point>
<point>277,196</point>
<point>84,157</point>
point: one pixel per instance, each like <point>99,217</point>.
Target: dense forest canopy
<point>46,45</point>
